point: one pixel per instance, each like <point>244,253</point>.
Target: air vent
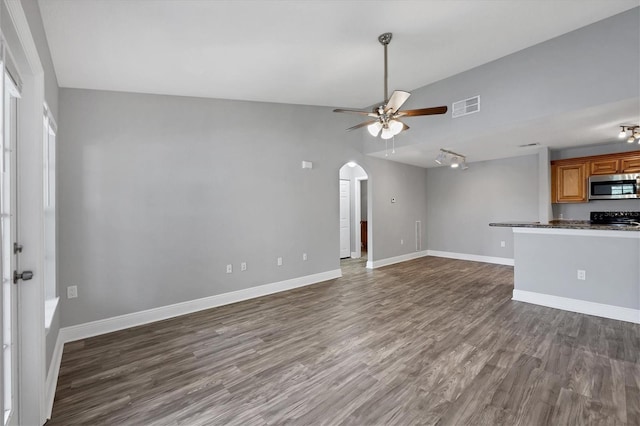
<point>465,107</point>
<point>529,145</point>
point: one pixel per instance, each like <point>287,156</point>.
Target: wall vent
<point>465,107</point>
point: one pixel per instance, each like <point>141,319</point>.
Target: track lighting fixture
<point>453,159</point>
<point>631,132</point>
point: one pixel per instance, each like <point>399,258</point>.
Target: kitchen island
<point>576,266</point>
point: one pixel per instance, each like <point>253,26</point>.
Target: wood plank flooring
<point>430,341</point>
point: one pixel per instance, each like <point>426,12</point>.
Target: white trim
<point>581,306</point>
<point>473,257</point>
<point>355,255</point>
<point>50,307</point>
<point>19,20</point>
<point>52,376</point>
<point>578,232</point>
<point>121,322</point>
<point>397,259</point>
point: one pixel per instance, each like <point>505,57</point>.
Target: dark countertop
<point>568,224</point>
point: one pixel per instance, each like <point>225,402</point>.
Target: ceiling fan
<point>385,118</point>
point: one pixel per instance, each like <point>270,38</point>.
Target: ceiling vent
<point>465,107</point>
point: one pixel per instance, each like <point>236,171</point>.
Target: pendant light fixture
<point>453,159</point>
<point>631,132</point>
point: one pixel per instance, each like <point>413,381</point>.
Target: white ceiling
<point>311,52</point>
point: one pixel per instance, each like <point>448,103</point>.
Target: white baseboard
<point>121,322</point>
<point>581,306</point>
<point>397,259</point>
<point>52,376</point>
<point>354,255</point>
<point>473,257</point>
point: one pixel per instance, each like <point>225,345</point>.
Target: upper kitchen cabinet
<point>569,182</point>
<point>605,167</point>
<point>630,164</point>
<point>614,163</point>
<point>569,177</point>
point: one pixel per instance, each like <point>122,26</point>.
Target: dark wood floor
<point>430,341</point>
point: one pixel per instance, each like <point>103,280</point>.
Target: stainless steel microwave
<point>614,187</point>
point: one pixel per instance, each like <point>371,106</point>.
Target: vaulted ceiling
<point>310,52</point>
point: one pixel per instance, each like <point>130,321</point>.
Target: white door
<point>345,220</point>
<point>9,262</point>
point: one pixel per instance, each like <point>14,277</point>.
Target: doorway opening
<point>354,213</point>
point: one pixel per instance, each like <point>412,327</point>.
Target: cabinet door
<point>605,167</point>
<point>630,165</point>
<point>571,183</point>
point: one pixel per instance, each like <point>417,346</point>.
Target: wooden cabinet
<point>630,164</point>
<point>569,177</point>
<point>570,183</point>
<point>605,167</point>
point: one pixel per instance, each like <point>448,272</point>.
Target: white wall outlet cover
<point>72,292</point>
<point>304,256</point>
<point>229,269</point>
<point>502,244</point>
<point>279,261</point>
<point>307,165</point>
<point>243,266</point>
<point>393,200</point>
<point>582,274</point>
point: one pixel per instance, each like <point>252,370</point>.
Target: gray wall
<point>393,222</point>
<point>159,193</point>
<point>581,211</point>
<point>462,203</point>
<point>569,73</point>
<point>548,264</point>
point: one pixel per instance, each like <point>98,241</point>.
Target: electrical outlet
<point>243,266</point>
<point>503,244</point>
<point>401,241</point>
<point>582,274</point>
<point>279,261</point>
<point>72,292</point>
<point>229,268</point>
<point>304,256</point>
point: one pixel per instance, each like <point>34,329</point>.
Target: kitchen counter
<point>579,267</point>
<point>568,224</point>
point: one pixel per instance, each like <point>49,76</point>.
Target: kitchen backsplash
<point>580,211</point>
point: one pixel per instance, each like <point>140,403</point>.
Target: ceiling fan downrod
<point>385,39</point>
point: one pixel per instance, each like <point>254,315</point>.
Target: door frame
<point>348,183</point>
<point>31,347</point>
<point>357,254</point>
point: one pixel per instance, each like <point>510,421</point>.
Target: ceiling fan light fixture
<point>386,133</point>
<point>374,128</point>
<point>395,126</point>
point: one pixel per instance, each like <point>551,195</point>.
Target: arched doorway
<point>354,211</point>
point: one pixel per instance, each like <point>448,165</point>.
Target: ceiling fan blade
<point>398,97</point>
<point>422,111</point>
<point>366,123</point>
<point>356,111</point>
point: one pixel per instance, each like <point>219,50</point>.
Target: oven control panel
<point>614,217</point>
